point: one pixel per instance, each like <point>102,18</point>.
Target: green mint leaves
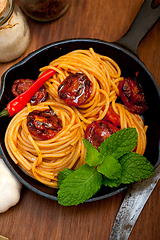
<point>79,186</point>
<point>114,164</point>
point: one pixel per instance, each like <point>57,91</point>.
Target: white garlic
<point>10,188</point>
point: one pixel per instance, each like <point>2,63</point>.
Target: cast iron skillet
<point>128,62</point>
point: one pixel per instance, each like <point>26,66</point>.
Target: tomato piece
<point>22,85</point>
<point>98,131</point>
<point>112,117</point>
<point>132,95</point>
<point>75,89</point>
<point>43,124</point>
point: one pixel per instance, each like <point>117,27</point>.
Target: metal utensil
<point>132,205</point>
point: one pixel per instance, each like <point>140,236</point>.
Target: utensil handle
<point>132,205</point>
<point>144,21</point>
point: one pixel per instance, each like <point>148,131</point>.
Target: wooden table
<point>38,218</point>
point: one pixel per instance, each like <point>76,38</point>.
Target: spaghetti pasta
<point>44,159</point>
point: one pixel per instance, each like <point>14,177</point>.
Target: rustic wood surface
<point>38,218</point>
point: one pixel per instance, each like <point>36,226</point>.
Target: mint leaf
<point>119,143</point>
<point>79,186</point>
<point>135,167</point>
<point>92,155</point>
<point>111,182</point>
<point>62,175</point>
<point>110,167</point>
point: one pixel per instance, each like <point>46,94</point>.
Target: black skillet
<point>124,52</point>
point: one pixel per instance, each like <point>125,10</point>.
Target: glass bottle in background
<point>44,10</point>
<point>14,31</point>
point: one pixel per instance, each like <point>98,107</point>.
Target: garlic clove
<point>10,188</point>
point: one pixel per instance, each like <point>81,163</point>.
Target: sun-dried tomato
<point>132,95</point>
<point>22,85</point>
<point>44,124</point>
<point>75,89</point>
<point>112,117</point>
<point>98,131</point>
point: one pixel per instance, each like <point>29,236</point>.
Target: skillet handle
<point>144,21</point>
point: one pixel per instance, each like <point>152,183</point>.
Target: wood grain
<point>38,218</point>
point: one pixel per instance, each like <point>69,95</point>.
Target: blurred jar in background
<point>44,10</point>
<point>14,31</point>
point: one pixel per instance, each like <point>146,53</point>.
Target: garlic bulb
<point>10,188</point>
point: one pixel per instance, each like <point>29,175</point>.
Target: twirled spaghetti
<point>44,159</point>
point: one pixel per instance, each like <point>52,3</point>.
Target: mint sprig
<point>114,164</point>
